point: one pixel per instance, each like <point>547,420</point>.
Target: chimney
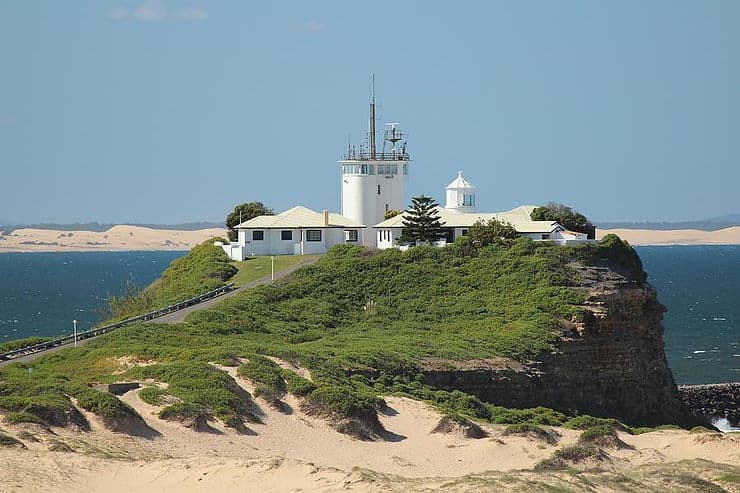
<point>326,218</point>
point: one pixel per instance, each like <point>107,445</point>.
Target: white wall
<point>361,201</point>
<point>273,244</point>
<point>386,237</point>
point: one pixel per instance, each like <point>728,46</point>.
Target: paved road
<point>174,317</point>
<point>179,316</point>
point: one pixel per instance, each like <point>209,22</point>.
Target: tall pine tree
<point>421,222</point>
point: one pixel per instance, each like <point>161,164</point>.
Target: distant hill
<point>99,228</point>
<point>713,224</point>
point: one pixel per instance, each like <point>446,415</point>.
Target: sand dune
<point>295,452</point>
<point>727,236</point>
<point>117,238</point>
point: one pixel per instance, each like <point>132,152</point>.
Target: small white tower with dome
<point>460,195</point>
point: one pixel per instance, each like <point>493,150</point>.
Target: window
<point>464,232</point>
<point>258,235</point>
<point>545,236</point>
<point>386,207</point>
<point>388,169</point>
<point>469,200</point>
<point>358,169</point>
<point>286,235</point>
<point>378,189</point>
<point>350,235</point>
<point>313,235</point>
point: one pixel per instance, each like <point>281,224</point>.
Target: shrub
<point>531,430</point>
<point>603,436</point>
<point>103,404</point>
<point>181,411</point>
<point>21,417</point>
<point>153,396</point>
<point>21,343</point>
<point>297,385</point>
<point>585,422</point>
<point>567,456</point>
<point>264,371</point>
<point>343,402</point>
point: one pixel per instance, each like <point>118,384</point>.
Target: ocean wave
<point>724,426</point>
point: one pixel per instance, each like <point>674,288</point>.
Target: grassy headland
<point>362,322</point>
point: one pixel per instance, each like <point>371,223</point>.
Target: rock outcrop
<point>720,400</point>
<point>610,362</point>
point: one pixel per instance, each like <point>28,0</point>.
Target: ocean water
<point>700,286</point>
<point>41,293</point>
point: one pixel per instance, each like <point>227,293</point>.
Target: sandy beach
<point>117,238</point>
<point>727,236</point>
<point>292,451</point>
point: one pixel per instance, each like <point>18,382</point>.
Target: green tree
<point>484,233</point>
<point>244,212</point>
<point>421,222</point>
<point>566,216</point>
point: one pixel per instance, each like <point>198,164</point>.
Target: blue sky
<point>172,111</point>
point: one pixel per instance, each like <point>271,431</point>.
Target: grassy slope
<point>351,310</point>
<point>206,267</point>
<point>258,267</point>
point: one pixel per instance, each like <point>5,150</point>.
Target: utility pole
<point>74,322</point>
<point>272,263</point>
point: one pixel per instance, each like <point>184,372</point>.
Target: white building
<point>373,182</point>
<point>459,214</point>
<point>460,195</point>
<point>297,231</point>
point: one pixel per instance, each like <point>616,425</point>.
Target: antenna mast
<point>371,133</point>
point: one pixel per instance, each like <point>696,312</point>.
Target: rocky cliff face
<point>718,400</point>
<point>610,363</point>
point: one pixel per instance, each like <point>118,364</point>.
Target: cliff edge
<point>608,362</point>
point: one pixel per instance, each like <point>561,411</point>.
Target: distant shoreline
<point>675,237</point>
<point>125,238</point>
<point>121,238</point>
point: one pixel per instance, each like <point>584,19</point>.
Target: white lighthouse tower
<point>460,195</point>
<point>372,181</point>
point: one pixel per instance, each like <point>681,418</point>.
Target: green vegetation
<point>181,411</point>
<point>297,385</point>
<point>154,396</point>
<point>21,343</point>
<point>244,212</point>
<point>647,429</point>
<point>199,386</point>
<point>486,233</point>
<point>21,417</point>
<point>564,215</point>
<point>595,432</point>
<point>568,456</point>
<point>585,422</point>
<point>421,222</point>
<point>702,429</point>
<point>206,267</point>
<point>255,268</point>
<point>531,430</point>
<point>265,372</point>
<point>361,322</point>
<point>105,405</point>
